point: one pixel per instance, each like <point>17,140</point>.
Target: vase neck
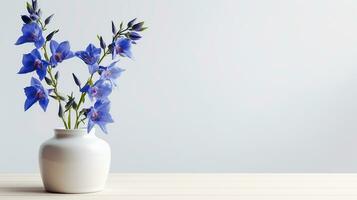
<point>70,133</point>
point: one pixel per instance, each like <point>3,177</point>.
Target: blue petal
<point>68,55</point>
<point>112,64</point>
<point>90,125</point>
<point>116,72</point>
<point>29,28</point>
<point>107,118</point>
<point>85,88</point>
<point>90,47</point>
<point>39,42</point>
<point>97,51</point>
<point>28,59</point>
<point>45,63</point>
<point>104,88</point>
<point>44,103</point>
<point>93,50</point>
<point>53,46</point>
<point>26,69</point>
<point>63,46</point>
<point>53,61</point>
<point>23,39</point>
<point>124,43</point>
<point>128,54</point>
<point>35,82</point>
<point>30,92</point>
<point>98,103</point>
<point>102,106</point>
<point>36,53</point>
<point>41,73</point>
<point>80,54</point>
<point>29,103</point>
<point>93,68</point>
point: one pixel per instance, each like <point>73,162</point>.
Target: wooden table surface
<point>164,186</point>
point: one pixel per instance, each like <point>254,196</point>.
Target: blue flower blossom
<point>33,62</point>
<point>100,90</point>
<point>90,56</point>
<point>110,73</point>
<point>122,47</point>
<point>60,52</point>
<point>99,114</point>
<point>35,93</point>
<point>31,33</point>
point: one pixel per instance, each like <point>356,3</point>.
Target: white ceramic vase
<point>74,161</point>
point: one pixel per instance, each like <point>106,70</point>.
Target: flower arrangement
<point>46,68</point>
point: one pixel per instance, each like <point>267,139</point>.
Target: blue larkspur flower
<point>60,52</point>
<point>111,73</point>
<point>31,33</point>
<point>99,114</point>
<point>36,92</point>
<point>100,90</point>
<point>90,56</point>
<point>33,62</point>
<point>122,47</point>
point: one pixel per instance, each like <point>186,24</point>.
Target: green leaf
<point>50,36</point>
<point>74,105</point>
<point>62,98</point>
<point>70,102</point>
<point>48,81</point>
<point>57,75</point>
<point>59,97</point>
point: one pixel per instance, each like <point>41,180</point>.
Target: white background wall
<point>216,86</point>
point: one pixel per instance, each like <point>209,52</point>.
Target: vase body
<point>74,161</point>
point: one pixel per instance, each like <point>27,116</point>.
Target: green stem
<point>49,71</point>
<point>76,123</point>
<point>69,118</point>
<point>54,82</point>
<point>64,122</point>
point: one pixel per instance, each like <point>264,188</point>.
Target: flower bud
<point>34,17</point>
<point>29,8</point>
<point>131,22</point>
<point>138,26</point>
<point>34,5</point>
<point>133,36</point>
<point>102,43</point>
<point>26,19</point>
<point>76,80</point>
<point>48,19</point>
<point>114,29</point>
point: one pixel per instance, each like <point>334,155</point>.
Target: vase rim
<point>62,132</point>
